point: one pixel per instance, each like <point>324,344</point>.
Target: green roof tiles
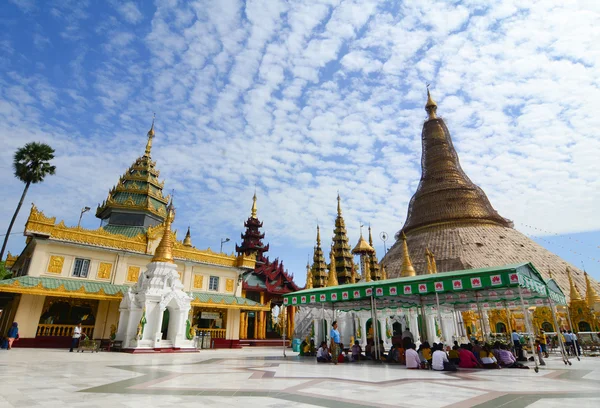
<point>70,285</point>
<point>125,230</point>
<point>207,297</point>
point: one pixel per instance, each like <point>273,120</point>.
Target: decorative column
<point>292,318</point>
<point>255,325</point>
<point>263,326</point>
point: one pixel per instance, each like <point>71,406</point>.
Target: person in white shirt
<point>413,361</point>
<point>323,354</point>
<point>439,360</point>
<point>76,336</point>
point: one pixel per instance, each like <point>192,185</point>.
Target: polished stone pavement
<point>255,377</point>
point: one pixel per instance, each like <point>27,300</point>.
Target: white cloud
<point>130,12</point>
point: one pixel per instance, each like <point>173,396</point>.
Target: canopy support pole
<point>376,331</point>
<point>439,313</point>
<point>529,329</point>
<point>457,332</point>
<point>572,330</point>
<point>423,332</point>
<point>558,333</point>
<point>481,323</point>
<point>283,326</point>
<point>509,324</point>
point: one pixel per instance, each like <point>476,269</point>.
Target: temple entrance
<point>584,327</point>
<point>547,327</point>
<point>60,315</point>
<point>251,324</point>
<point>500,327</point>
<point>164,329</point>
<point>397,329</point>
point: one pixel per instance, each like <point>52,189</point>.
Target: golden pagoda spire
<point>318,235</point>
<point>383,272</point>
<point>430,106</point>
<point>407,267</point>
<point>253,212</point>
<point>150,137</point>
<point>309,281</point>
<point>164,251</point>
<point>592,297</point>
<point>371,237</point>
<point>550,273</point>
<point>574,292</point>
<point>332,278</point>
<point>353,276</point>
<point>339,209</point>
<point>187,241</point>
<point>428,258</point>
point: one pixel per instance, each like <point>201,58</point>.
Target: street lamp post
<point>222,242</point>
<point>83,211</point>
<point>384,238</point>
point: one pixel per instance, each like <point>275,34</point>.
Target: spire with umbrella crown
<point>592,297</point>
<point>332,278</point>
<point>164,251</point>
<point>574,292</point>
<point>309,283</point>
<point>341,249</point>
<point>187,241</point>
<point>319,267</point>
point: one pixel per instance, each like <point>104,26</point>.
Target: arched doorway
<point>500,327</point>
<point>584,326</point>
<point>164,328</point>
<point>397,329</point>
<point>547,327</point>
<point>369,328</point>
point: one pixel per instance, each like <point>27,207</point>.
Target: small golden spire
<point>428,257</point>
<point>362,247</point>
<point>332,278</point>
<point>339,205</point>
<point>353,274</point>
<point>309,281</point>
<point>592,297</point>
<point>253,211</point>
<point>318,235</point>
<point>150,137</point>
<point>430,106</point>
<point>371,237</point>
<point>164,250</point>
<point>383,272</point>
<point>407,267</point>
<point>550,273</point>
<point>187,241</point>
<point>574,292</point>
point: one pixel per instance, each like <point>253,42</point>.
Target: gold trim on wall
<point>198,281</point>
<point>55,265</point>
<point>104,270</point>
<point>229,285</point>
<point>133,274</point>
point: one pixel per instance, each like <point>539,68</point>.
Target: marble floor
<point>257,377</point>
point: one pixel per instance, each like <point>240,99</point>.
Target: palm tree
<point>31,164</point>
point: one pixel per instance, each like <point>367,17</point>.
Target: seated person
<point>356,351</point>
<point>466,358</point>
<point>476,349</point>
<point>507,359</point>
<point>453,355</point>
<point>369,348</point>
<point>304,348</point>
<point>439,359</point>
<point>487,358</point>
<point>393,356</point>
<point>341,358</point>
<point>427,353</point>
<point>323,355</point>
<point>413,361</point>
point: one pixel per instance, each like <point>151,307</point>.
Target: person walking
<point>13,334</point>
<point>334,334</point>
<point>76,336</point>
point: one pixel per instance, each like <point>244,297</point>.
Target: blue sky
<point>302,99</point>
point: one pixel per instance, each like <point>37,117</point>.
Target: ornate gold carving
<point>56,264</point>
<point>104,270</point>
<point>164,251</point>
<point>10,260</point>
<point>229,285</point>
<point>198,280</point>
<point>133,273</point>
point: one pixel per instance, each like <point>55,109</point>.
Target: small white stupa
<point>154,313</point>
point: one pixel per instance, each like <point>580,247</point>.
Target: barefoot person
<point>13,334</point>
<point>76,337</point>
<point>334,334</point>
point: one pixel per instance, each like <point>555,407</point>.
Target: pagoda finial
<point>150,137</point>
<point>383,272</point>
<point>431,105</point>
<point>187,241</point>
<point>592,297</point>
<point>309,281</point>
<point>370,237</point>
<point>318,235</point>
<point>550,273</point>
<point>407,267</point>
<point>339,209</point>
<point>253,211</point>
<point>574,292</point>
<point>431,266</point>
<point>332,278</point>
<point>164,251</point>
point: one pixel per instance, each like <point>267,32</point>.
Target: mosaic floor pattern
<point>264,378</point>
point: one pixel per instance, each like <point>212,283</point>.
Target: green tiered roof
<point>341,248</point>
<point>138,189</point>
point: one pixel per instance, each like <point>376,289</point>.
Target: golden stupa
<point>451,216</point>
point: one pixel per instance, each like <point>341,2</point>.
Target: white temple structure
<point>154,314</point>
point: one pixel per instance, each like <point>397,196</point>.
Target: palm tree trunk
<point>14,218</point>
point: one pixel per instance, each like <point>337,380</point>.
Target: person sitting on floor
<point>323,355</point>
<point>453,355</point>
<point>369,349</point>
<point>507,359</point>
<point>356,351</point>
<point>488,360</point>
<point>440,361</point>
<point>466,358</point>
<point>413,361</point>
<point>427,353</point>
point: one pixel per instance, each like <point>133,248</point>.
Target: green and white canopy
<point>489,288</point>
